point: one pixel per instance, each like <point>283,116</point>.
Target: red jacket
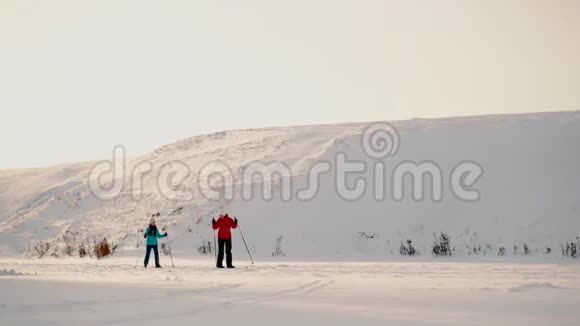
<point>224,224</point>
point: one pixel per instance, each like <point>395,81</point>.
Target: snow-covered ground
<point>115,292</point>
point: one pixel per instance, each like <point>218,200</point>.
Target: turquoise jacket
<point>152,239</point>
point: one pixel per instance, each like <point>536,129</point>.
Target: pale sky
<point>78,77</point>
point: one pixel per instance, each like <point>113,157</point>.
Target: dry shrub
<point>103,249</point>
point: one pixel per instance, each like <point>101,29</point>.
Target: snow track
<point>112,292</point>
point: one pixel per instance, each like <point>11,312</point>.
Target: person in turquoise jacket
<point>151,234</point>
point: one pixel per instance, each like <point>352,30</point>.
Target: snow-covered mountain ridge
<point>529,192</point>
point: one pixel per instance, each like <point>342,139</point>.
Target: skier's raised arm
<point>215,224</point>
<point>159,235</point>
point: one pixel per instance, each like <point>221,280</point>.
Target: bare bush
<point>441,245</point>
<point>41,248</point>
<point>476,250</point>
<point>164,250</point>
<point>69,240</point>
<point>526,249</point>
<point>205,248</point>
<point>570,249</point>
<point>82,251</point>
<point>278,249</point>
<point>103,249</point>
<point>501,251</point>
<point>408,250</point>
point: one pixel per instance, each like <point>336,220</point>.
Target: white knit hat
<point>152,221</point>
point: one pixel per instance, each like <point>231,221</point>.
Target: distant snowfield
<point>114,292</point>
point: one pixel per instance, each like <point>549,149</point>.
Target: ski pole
<point>170,255</point>
<point>242,234</point>
<point>214,244</point>
<point>137,262</point>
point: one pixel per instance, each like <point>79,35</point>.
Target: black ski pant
<point>227,243</point>
<point>148,252</point>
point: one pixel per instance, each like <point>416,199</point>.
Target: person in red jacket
<point>224,224</point>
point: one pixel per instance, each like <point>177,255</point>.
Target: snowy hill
<point>528,192</point>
